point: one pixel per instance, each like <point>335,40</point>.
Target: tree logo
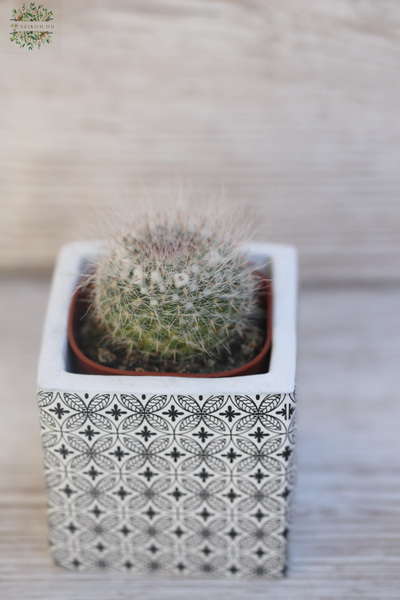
<point>31,26</point>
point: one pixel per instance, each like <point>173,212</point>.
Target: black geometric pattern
<point>169,484</point>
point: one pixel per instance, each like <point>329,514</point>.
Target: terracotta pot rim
<point>86,366</point>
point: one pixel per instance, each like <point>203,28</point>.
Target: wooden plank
<point>346,522</point>
<point>292,110</point>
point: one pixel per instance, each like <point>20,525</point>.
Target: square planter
<point>169,475</point>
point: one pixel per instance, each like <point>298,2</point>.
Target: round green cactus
<point>172,290</point>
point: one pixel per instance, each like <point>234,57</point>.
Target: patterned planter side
<point>170,484</point>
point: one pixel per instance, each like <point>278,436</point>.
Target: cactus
<point>172,289</point>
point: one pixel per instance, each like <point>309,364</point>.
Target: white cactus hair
<point>174,284</point>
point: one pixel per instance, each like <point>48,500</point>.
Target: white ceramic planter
<point>166,474</point>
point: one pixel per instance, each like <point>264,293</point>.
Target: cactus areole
<point>171,298</point>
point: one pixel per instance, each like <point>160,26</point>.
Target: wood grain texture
<point>291,108</point>
<point>346,526</point>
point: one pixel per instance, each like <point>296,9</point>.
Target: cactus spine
<point>173,289</point>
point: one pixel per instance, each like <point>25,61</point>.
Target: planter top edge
<point>281,261</point>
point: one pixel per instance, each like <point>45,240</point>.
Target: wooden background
<point>291,108</point>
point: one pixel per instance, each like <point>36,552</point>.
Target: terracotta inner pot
<point>84,365</point>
